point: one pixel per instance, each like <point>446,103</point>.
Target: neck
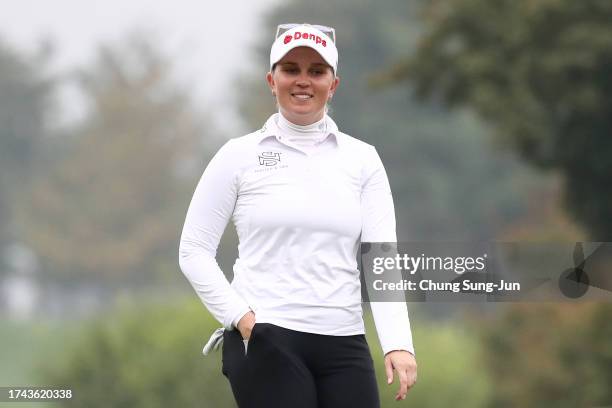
<point>303,121</point>
<point>312,127</point>
<point>303,134</point>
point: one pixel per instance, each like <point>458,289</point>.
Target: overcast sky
<point>193,32</point>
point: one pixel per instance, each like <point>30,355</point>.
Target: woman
<point>302,195</point>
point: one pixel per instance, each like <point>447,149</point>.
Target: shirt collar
<point>270,129</point>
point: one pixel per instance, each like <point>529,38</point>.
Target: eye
<point>290,70</point>
<point>317,71</point>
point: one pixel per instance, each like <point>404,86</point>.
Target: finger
<point>246,334</point>
<point>389,370</point>
<point>403,379</point>
<point>412,377</point>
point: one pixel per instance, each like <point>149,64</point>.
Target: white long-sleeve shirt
<point>300,215</point>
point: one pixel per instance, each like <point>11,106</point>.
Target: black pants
<point>290,369</point>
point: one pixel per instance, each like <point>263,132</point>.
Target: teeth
<point>302,96</point>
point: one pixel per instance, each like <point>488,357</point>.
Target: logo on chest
<point>269,158</point>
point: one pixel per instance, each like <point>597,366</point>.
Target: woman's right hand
<point>245,325</point>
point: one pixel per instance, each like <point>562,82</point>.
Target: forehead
<point>303,55</point>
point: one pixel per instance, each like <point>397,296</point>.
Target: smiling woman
<point>302,195</point>
<point>303,83</point>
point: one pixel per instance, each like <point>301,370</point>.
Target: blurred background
<point>493,119</point>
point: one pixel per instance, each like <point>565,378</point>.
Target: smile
<point>302,96</point>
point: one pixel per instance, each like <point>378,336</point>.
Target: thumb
<point>389,370</point>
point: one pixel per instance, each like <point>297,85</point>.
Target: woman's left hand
<point>405,364</point>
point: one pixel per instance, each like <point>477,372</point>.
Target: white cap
<point>305,36</point>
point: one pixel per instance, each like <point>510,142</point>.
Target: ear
<point>334,85</point>
<point>271,83</point>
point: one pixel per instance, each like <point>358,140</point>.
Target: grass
<point>24,346</point>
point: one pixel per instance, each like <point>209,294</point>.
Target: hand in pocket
<point>245,325</point>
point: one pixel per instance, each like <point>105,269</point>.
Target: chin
<point>302,110</point>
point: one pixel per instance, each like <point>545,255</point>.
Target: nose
<point>302,81</point>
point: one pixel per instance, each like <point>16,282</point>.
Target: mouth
<point>302,95</point>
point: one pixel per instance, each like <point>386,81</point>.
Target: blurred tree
<point>539,72</point>
<point>545,221</point>
<point>25,93</point>
<point>147,356</point>
<point>110,208</point>
<point>549,355</point>
<point>448,182</point>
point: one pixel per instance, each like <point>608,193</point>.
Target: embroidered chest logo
<point>269,158</point>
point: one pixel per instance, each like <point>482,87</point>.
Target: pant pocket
<point>224,358</point>
<point>247,342</point>
<point>233,352</point>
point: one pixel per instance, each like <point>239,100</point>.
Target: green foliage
<point>23,345</point>
<point>145,356</point>
<point>539,72</point>
<point>109,207</point>
<point>149,356</point>
<point>450,373</point>
<point>447,181</point>
<point>549,355</point>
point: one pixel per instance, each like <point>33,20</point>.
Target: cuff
<point>239,308</point>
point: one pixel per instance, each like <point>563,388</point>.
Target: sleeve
<point>209,212</point>
<point>378,225</point>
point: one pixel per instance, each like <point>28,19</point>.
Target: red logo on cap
<point>306,36</point>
